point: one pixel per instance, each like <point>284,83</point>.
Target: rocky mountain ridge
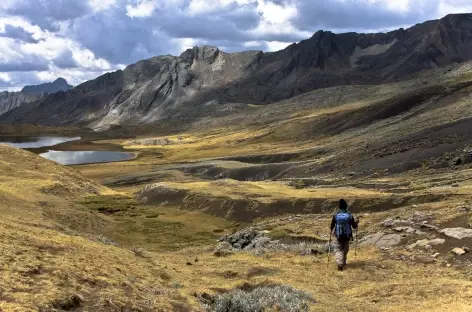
<point>60,84</point>
<point>12,100</point>
<point>205,80</point>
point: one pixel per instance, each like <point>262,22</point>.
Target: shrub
<point>264,298</point>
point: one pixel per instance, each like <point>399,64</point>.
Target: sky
<point>41,40</point>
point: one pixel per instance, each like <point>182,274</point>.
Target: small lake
<point>63,157</point>
<point>35,142</point>
<point>86,157</point>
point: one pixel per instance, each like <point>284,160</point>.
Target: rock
<point>466,249</point>
<point>429,227</point>
<point>248,238</point>
<point>457,233</point>
<point>458,251</point>
<point>223,249</point>
<point>69,303</point>
<point>463,209</point>
<point>392,222</point>
<point>448,265</point>
<point>426,243</point>
<point>436,255</point>
<point>382,240</point>
<point>189,263</point>
<point>406,229</point>
<point>437,241</point>
<point>261,242</point>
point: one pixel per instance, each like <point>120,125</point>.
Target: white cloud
<point>277,45</point>
<point>143,8</point>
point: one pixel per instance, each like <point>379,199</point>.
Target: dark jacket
<point>352,221</point>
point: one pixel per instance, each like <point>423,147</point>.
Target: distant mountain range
<point>12,100</point>
<point>190,85</point>
<point>60,84</point>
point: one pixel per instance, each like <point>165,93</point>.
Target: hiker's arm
<point>333,223</point>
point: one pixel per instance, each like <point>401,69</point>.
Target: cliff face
<point>12,100</point>
<point>185,86</point>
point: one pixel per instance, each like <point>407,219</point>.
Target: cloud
<point>66,60</point>
<point>83,38</point>
<point>16,32</point>
<point>48,13</point>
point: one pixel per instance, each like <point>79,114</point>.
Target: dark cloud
<point>27,64</point>
<point>47,13</point>
<point>18,33</point>
<point>355,16</point>
<point>66,60</point>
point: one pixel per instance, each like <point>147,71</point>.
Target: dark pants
<point>342,249</point>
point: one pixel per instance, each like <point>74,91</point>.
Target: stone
<point>223,249</point>
<point>429,227</point>
<point>426,243</point>
<point>261,242</point>
<point>436,255</point>
<point>458,251</point>
<point>457,233</point>
<point>406,229</point>
<point>448,265</point>
<point>466,249</point>
<point>437,241</point>
<point>382,240</point>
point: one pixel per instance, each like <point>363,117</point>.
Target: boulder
<point>223,249</point>
<point>261,242</point>
<point>458,251</point>
<point>426,243</point>
<point>457,233</point>
<point>382,240</point>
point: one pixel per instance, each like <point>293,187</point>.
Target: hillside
<point>204,78</point>
<point>141,235</point>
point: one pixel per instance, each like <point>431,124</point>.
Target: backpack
<point>343,226</point>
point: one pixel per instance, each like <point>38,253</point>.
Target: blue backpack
<point>343,225</point>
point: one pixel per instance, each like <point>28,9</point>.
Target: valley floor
<point>141,235</point>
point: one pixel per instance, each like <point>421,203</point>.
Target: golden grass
<point>270,191</point>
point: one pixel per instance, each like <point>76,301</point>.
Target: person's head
<point>342,204</point>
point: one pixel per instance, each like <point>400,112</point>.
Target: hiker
<point>343,222</point>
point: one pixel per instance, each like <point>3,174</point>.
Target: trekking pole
<point>329,251</point>
<point>355,246</point>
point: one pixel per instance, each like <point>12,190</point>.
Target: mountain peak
<point>60,84</point>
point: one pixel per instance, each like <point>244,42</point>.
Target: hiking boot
<point>340,267</point>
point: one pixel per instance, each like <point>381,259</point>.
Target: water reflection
<point>85,157</point>
<point>35,142</point>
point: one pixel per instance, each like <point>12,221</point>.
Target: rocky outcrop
<point>381,240</point>
<point>205,81</point>
<point>457,233</point>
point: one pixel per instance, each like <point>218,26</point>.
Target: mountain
<point>60,84</point>
<point>12,100</point>
<point>204,79</point>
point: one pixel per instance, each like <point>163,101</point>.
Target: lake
<point>35,142</point>
<point>64,157</point>
<point>85,157</point>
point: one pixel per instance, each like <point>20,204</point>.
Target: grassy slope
<point>50,217</point>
